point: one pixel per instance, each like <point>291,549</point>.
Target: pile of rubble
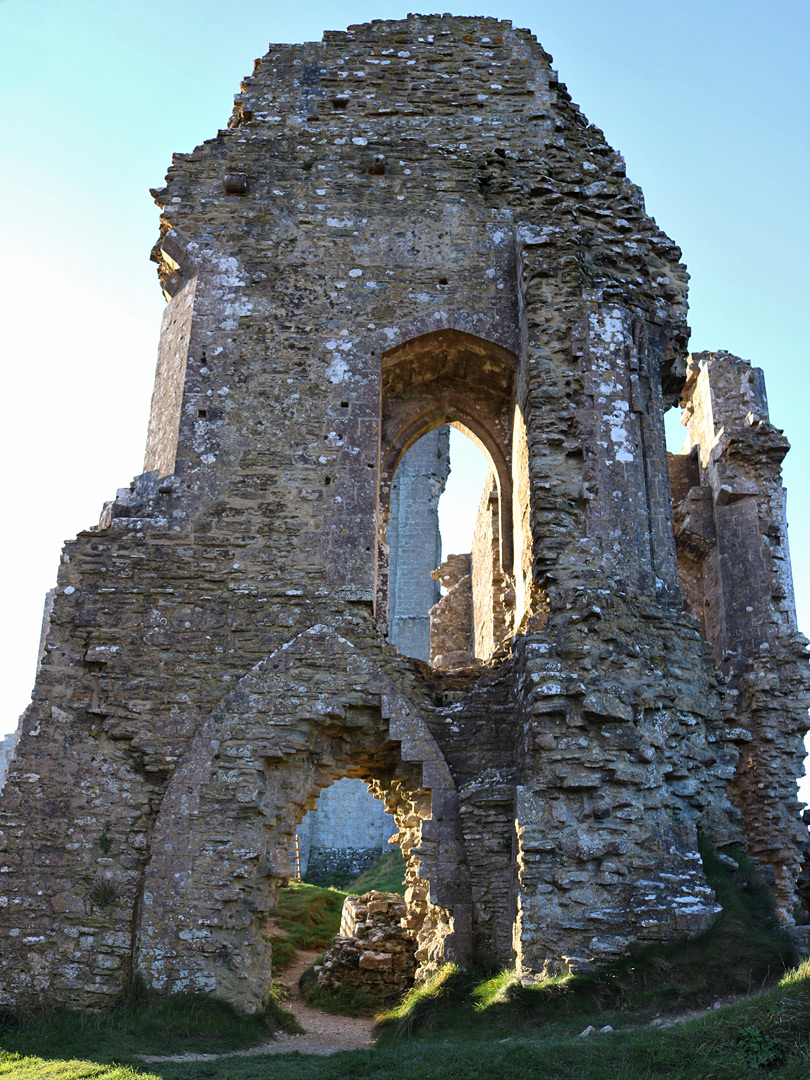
<point>372,951</point>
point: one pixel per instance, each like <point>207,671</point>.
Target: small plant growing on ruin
<point>104,891</point>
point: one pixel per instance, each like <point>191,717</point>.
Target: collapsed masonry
<point>374,949</point>
<point>407,225</point>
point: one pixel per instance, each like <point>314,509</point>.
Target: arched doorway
<point>320,708</point>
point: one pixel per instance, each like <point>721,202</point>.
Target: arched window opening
<point>449,600</point>
<point>346,833</point>
<point>447,378</point>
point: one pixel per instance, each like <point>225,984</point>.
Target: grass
<point>386,875</point>
<point>463,1026</point>
<point>764,1036</point>
<point>345,1001</point>
<point>744,951</point>
<point>147,1026</point>
<point>20,1067</point>
<point>309,918</point>
<point>331,879</point>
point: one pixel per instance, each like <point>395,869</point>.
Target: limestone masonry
<point>373,951</point>
<point>405,226</point>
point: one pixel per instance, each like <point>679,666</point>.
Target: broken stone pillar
<point>372,952</point>
<point>734,564</point>
<point>451,618</point>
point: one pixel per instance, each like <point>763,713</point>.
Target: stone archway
<point>319,708</point>
<point>452,377</point>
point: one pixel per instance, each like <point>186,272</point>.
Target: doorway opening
<point>344,836</point>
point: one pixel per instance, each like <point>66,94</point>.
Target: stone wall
<point>349,830</point>
<point>346,832</point>
<point>734,568</point>
<point>405,225</point>
<point>415,543</point>
<point>451,619</point>
<point>493,594</point>
<point>373,953</point>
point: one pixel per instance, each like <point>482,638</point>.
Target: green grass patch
<point>148,1026</point>
<point>309,917</point>
<point>767,1035</point>
<point>385,875</point>
<point>37,1068</point>
<point>763,1036</point>
<point>463,1026</point>
<point>331,879</point>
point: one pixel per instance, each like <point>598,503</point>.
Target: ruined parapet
<point>372,952</point>
<point>734,568</point>
<point>451,618</point>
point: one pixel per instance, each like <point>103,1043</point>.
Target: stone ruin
<point>349,829</point>
<point>374,950</point>
<point>407,225</point>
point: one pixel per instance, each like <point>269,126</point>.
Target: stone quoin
<point>405,226</point>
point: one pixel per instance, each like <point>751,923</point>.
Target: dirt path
<point>323,1033</point>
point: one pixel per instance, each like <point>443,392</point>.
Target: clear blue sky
<point>708,102</point>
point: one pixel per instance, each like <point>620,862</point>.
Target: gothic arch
<point>319,708</point>
<point>449,376</point>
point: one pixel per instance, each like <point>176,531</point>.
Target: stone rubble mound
<point>372,952</point>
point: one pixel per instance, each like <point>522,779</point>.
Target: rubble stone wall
<point>734,567</point>
<point>373,952</point>
<point>406,225</point>
<point>451,617</point>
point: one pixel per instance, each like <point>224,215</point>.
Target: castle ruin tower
<point>406,225</point>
